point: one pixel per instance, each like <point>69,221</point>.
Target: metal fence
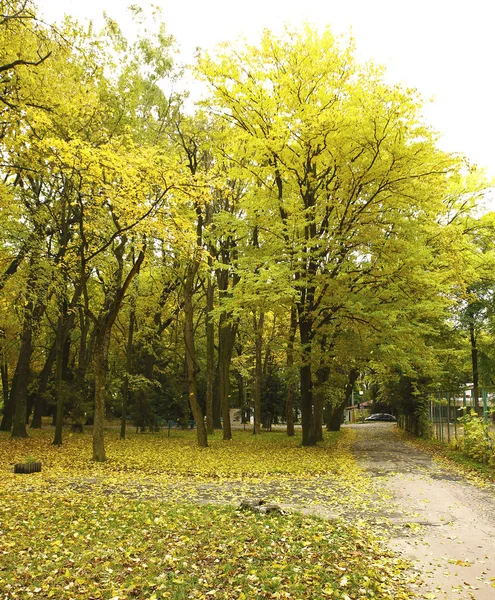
<point>447,407</point>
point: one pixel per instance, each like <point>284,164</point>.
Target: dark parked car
<point>380,417</point>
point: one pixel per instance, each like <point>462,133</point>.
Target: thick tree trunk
<point>334,416</point>
<point>4,369</point>
<point>210,355</point>
<point>8,409</point>
<point>21,389</point>
<point>289,409</point>
<point>258,369</point>
<point>191,365</point>
<point>322,376</point>
<point>224,386</point>
<point>307,408</point>
<point>19,393</point>
<point>100,367</point>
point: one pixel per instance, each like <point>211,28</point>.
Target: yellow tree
<point>345,156</point>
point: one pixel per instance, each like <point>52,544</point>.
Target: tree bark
<point>100,368</point>
<point>226,336</point>
<point>289,405</point>
<point>102,343</point>
<point>83,361</point>
<point>334,416</point>
<point>59,345</point>
<point>19,393</point>
<point>128,369</point>
<point>190,350</point>
<point>4,369</point>
<point>258,370</point>
<point>322,376</point>
<point>8,408</point>
<point>307,407</point>
<point>474,363</point>
<point>40,393</point>
<point>32,315</point>
<point>210,353</point>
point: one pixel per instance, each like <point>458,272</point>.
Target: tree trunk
<point>224,381</point>
<point>217,409</point>
<point>128,369</point>
<point>77,412</point>
<point>19,393</point>
<point>102,343</point>
<point>258,371</point>
<point>322,376</point>
<point>4,370</point>
<point>100,367</point>
<point>191,365</point>
<point>474,363</point>
<point>226,339</point>
<point>59,345</point>
<point>307,408</point>
<point>289,405</point>
<point>210,354</point>
<point>8,408</point>
<point>5,382</point>
<point>334,416</point>
<point>21,390</point>
<point>43,379</point>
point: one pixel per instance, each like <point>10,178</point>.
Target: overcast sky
<point>444,48</point>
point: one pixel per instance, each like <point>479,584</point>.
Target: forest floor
<point>366,515</point>
<point>436,517</point>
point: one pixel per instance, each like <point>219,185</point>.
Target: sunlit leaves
<point>138,526</point>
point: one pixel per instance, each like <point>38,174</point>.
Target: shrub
<point>478,441</point>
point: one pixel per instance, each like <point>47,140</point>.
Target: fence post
<point>455,416</point>
<point>448,417</point>
<point>439,418</point>
<point>485,405</point>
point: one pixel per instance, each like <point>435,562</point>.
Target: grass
<point>132,528</point>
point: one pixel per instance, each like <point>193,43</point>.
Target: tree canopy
<point>295,232</point>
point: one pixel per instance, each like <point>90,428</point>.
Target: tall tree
<point>346,156</point>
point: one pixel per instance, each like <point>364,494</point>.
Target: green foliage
<point>478,441</point>
<point>424,427</point>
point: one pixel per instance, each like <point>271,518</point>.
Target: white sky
<point>444,48</point>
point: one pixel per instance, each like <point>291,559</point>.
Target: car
<point>381,417</point>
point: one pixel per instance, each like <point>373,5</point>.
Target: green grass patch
<point>85,547</point>
<point>138,527</point>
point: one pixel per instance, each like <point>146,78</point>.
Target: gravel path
<point>441,522</point>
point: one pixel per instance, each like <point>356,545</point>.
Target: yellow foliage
<point>158,520</point>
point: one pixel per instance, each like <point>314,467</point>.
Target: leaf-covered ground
<point>159,519</point>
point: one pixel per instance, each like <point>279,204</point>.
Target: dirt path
<point>441,522</point>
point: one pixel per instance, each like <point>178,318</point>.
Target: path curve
<point>436,518</point>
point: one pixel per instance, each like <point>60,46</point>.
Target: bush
<point>478,441</point>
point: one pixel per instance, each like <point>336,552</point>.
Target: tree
<point>346,160</point>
